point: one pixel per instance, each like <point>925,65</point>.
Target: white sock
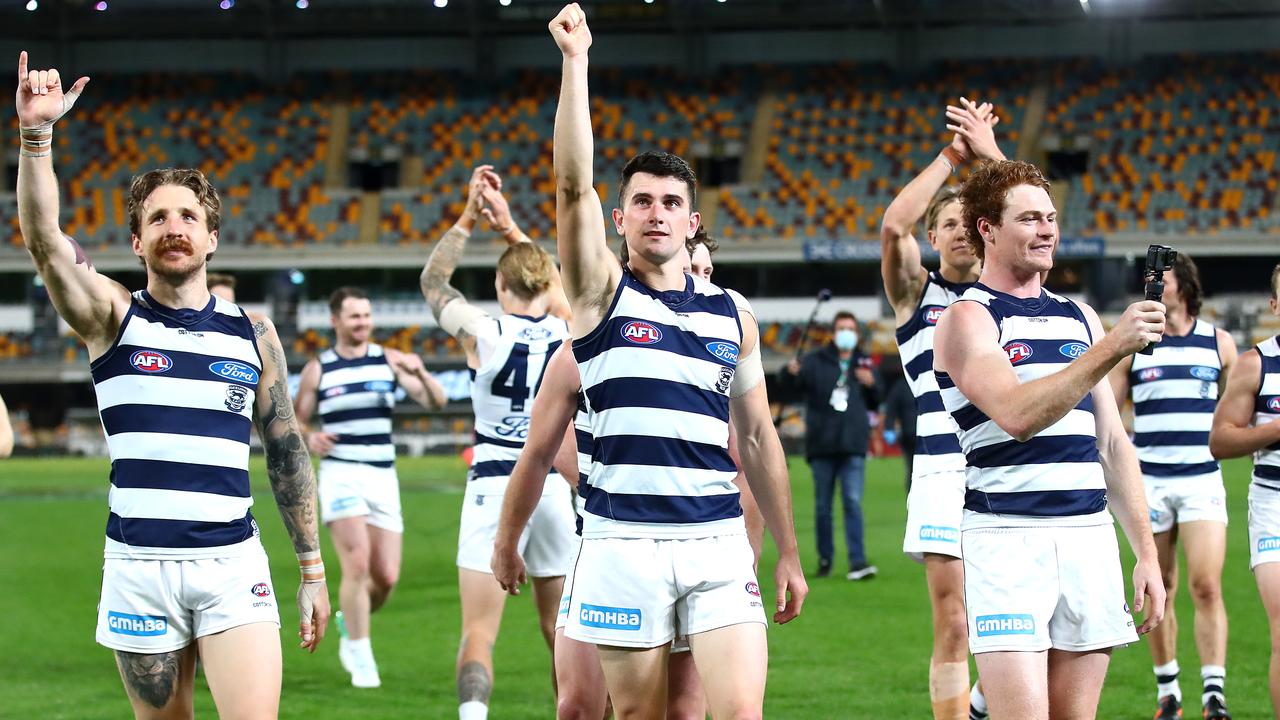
<point>977,700</point>
<point>1167,680</point>
<point>361,649</point>
<point>1215,677</point>
<point>473,710</point>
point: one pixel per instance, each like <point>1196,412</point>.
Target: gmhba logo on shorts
<point>1018,624</point>
<point>611,618</point>
<point>139,625</point>
<point>939,533</point>
<point>1268,544</point>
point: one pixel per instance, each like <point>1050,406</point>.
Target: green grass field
<point>859,649</point>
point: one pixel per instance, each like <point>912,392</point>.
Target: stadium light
<point>440,3</point>
<point>504,3</point>
<point>302,4</point>
<point>32,5</point>
<point>101,6</point>
<point>227,4</point>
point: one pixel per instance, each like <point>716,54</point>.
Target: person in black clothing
<point>838,385</point>
<point>900,422</point>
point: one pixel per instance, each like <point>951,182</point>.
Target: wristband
<point>311,566</point>
<point>952,156</point>
<point>35,141</point>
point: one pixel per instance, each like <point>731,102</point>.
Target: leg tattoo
<point>474,683</point>
<point>152,678</point>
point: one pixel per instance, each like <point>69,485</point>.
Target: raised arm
<point>497,212</point>
<point>6,431</point>
<point>434,280</point>
<point>292,480</point>
<point>416,381</point>
<point>967,347</point>
<point>556,403</point>
<point>590,272</point>
<point>1234,433</point>
<point>92,304</point>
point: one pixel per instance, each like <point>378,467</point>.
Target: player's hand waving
<point>40,98</point>
<point>570,30</point>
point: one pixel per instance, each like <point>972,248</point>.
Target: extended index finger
<point>22,66</point>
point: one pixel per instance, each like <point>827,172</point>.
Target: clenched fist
<point>570,30</point>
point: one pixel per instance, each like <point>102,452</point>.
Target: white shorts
<point>1031,589</point>
<point>547,543</point>
<point>935,506</point>
<point>1264,526</point>
<point>644,592</point>
<point>352,489</point>
<point>1180,500</point>
<point>157,606</point>
<point>680,644</point>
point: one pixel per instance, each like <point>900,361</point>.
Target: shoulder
<point>262,325</point>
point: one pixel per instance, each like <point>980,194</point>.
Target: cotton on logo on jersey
<point>941,534</point>
<point>611,618</point>
<point>932,314</point>
<point>235,371</point>
<point>150,361</point>
<point>641,333</point>
<point>1020,624</point>
<point>1017,352</point>
<point>1267,544</point>
<point>138,625</point>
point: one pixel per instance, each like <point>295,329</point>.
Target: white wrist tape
<point>462,315</point>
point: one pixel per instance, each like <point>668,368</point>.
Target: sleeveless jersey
<point>937,449</point>
<point>355,400</point>
<point>656,374</point>
<point>1057,473</point>
<point>513,350</point>
<point>1266,462</point>
<point>175,395</point>
<point>1175,390</point>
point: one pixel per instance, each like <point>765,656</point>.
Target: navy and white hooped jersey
<point>176,396</point>
<point>514,351</point>
<point>1266,462</point>
<point>584,441</point>
<point>937,449</point>
<point>1175,390</point>
<point>355,399</point>
<point>656,374</point>
<point>1056,474</point>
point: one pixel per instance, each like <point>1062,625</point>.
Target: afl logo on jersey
<point>150,361</point>
<point>235,371</point>
<point>1207,374</point>
<point>725,351</point>
<point>1073,350</point>
<point>1274,404</point>
<point>932,314</point>
<point>1017,352</point>
<point>1149,374</point>
<point>641,333</point>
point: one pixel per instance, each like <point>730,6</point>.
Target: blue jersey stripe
<point>944,380</point>
<point>1145,375</point>
<point>215,322</point>
<point>361,361</point>
<point>1192,339</point>
<point>1262,404</point>
<point>154,532</point>
<point>1057,351</point>
<point>586,441</point>
<point>937,444</point>
<point>1047,503</point>
<point>492,468</point>
<point>165,475</point>
<point>1169,437</point>
<point>930,402</point>
<point>672,339</point>
<point>662,452</point>
<point>622,392</point>
<point>183,366</point>
<point>1177,469</point>
<point>482,439</point>
<point>919,365</point>
<point>969,417</point>
<point>666,509</point>
<point>370,413</point>
<point>1175,405</point>
<point>1039,450</point>
<point>376,439</point>
<point>197,422</point>
<point>1266,472</point>
<point>371,463</point>
<point>366,386</point>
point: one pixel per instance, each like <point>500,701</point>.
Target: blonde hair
<point>526,270</point>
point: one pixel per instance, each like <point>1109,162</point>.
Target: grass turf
<point>859,649</point>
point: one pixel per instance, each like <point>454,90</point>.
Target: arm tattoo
<point>151,678</point>
<point>259,329</point>
<point>474,683</point>
<point>435,276</point>
<point>288,464</point>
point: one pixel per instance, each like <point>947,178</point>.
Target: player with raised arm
<point>1247,421</point>
<point>6,431</point>
<point>1174,391</point>
<point>1022,372</point>
<point>353,388</point>
<point>918,297</point>
<point>180,376</point>
<point>508,355</point>
<point>665,360</point>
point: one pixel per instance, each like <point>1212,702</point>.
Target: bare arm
<point>435,276</point>
<point>1119,380</point>
<point>590,272</point>
<point>308,383</point>
<point>419,384</point>
<point>750,509</point>
<point>1228,353</point>
<point>556,403</point>
<point>92,304</point>
<point>6,431</point>
<point>966,346</point>
<point>1233,433</point>
<point>292,479</point>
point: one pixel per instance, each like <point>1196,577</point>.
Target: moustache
<point>173,243</point>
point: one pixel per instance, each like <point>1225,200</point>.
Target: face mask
<point>846,339</point>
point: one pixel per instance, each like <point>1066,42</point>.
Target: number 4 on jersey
<point>512,381</point>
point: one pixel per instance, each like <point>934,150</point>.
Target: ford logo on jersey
<point>235,371</point>
<point>1073,350</point>
<point>932,314</point>
<point>535,333</point>
<point>1017,352</point>
<point>726,351</point>
<point>1019,624</point>
<point>641,332</point>
<point>1207,374</point>
<point>378,386</point>
<point>150,361</point>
